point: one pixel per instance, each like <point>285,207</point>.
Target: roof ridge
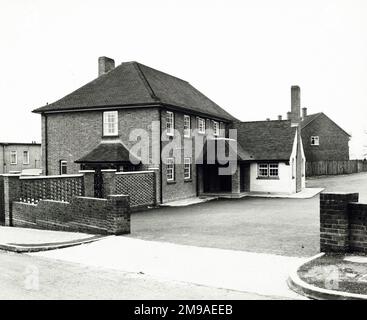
<point>145,81</point>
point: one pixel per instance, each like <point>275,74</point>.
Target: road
<point>28,277</point>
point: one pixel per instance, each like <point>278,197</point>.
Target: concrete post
<point>11,193</point>
<point>108,181</point>
<point>88,176</point>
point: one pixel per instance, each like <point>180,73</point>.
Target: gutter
<point>46,145</point>
<point>160,155</point>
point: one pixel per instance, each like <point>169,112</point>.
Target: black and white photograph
<point>188,152</point>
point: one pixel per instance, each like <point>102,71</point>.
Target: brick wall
<point>82,214</point>
<point>333,141</point>
<point>139,185</point>
<point>2,203</point>
<point>72,135</point>
<point>343,223</point>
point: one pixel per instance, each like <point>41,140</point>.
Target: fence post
<point>109,180</point>
<point>157,187</point>
<point>88,177</point>
<point>11,193</point>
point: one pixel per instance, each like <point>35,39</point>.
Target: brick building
<point>322,138</point>
<point>99,126</point>
<point>20,157</point>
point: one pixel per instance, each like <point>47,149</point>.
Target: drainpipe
<point>160,155</point>
<point>46,146</point>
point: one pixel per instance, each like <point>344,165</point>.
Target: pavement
<point>187,202</point>
<point>261,274</point>
<point>30,240</point>
<point>23,276</point>
<point>306,193</point>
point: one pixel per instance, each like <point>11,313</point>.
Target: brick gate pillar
<point>236,180</point>
<point>334,222</point>
<point>11,193</point>
<point>108,181</point>
<point>88,177</point>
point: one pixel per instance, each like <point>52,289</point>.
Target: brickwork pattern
<point>343,223</point>
<point>60,188</point>
<point>82,214</point>
<point>140,186</point>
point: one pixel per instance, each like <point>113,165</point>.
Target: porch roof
<point>242,155</point>
<point>109,152</point>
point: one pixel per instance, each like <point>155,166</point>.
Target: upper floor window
<point>13,157</point>
<point>110,123</point>
<point>187,168</point>
<point>170,169</point>
<point>268,170</point>
<point>25,157</point>
<point>315,141</point>
<point>170,123</point>
<point>63,167</point>
<point>187,126</point>
<point>216,128</point>
<point>201,125</point>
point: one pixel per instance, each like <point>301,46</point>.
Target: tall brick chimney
<point>105,65</point>
<point>296,104</point>
<point>304,113</point>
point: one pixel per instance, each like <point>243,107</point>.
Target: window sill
<point>188,180</point>
<point>267,178</point>
<point>110,136</point>
<point>171,182</point>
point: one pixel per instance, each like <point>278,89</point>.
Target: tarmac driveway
<point>287,227</point>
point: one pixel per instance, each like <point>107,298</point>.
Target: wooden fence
<point>319,168</point>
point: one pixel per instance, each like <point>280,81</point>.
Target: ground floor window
<point>187,168</point>
<point>25,157</point>
<point>63,167</point>
<point>268,170</point>
<point>13,157</point>
<point>170,169</point>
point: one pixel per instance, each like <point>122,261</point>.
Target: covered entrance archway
<point>108,155</point>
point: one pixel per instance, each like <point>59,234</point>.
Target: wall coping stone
<point>51,177</point>
<point>133,172</point>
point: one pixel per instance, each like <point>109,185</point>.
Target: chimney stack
<point>279,117</point>
<point>105,65</point>
<point>267,119</point>
<point>296,104</point>
<point>289,115</point>
<point>304,113</point>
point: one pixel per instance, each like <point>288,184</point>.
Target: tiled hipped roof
<point>266,140</point>
<point>134,84</point>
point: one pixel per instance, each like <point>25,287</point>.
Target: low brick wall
<point>343,223</point>
<point>82,214</point>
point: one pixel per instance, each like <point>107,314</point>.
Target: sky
<point>244,55</point>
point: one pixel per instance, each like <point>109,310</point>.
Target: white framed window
<point>315,141</point>
<point>170,169</point>
<point>201,125</point>
<point>263,170</point>
<point>187,168</point>
<point>216,128</point>
<point>63,167</point>
<point>268,170</point>
<point>13,157</point>
<point>110,123</point>
<point>170,123</point>
<point>187,126</point>
<point>273,170</point>
<point>25,157</point>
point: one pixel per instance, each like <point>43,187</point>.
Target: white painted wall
<point>285,183</point>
